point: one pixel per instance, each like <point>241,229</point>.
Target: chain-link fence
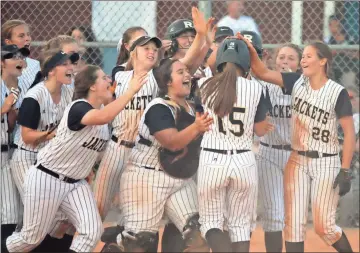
<point>102,24</point>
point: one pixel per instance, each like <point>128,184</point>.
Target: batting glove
<point>343,179</point>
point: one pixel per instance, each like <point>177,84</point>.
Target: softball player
<point>314,164</point>
<point>17,32</point>
<point>56,181</point>
<point>274,152</point>
<point>124,44</point>
<point>144,54</point>
<point>12,64</point>
<point>147,192</point>
<point>227,175</point>
<point>64,43</point>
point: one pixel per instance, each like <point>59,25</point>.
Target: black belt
<point>4,148</point>
<point>283,147</point>
<point>150,168</point>
<point>62,178</point>
<point>314,154</point>
<point>128,144</point>
<point>225,152</point>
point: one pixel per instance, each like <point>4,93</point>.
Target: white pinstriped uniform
<point>314,128</point>
<point>272,161</point>
<point>230,181</point>
<point>146,195</point>
<point>10,199</point>
<point>25,155</point>
<point>28,74</point>
<point>208,72</point>
<point>71,154</point>
<point>125,127</point>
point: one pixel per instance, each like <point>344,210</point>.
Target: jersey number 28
<point>234,122</point>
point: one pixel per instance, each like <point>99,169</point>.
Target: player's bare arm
<point>109,112</point>
<point>259,68</point>
<point>263,127</point>
<point>174,140</point>
<point>194,51</point>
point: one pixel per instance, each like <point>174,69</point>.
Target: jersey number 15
<point>234,122</point>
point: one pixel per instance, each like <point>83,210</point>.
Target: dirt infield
<point>312,244</point>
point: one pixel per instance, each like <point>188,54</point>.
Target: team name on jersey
<point>96,144</point>
<point>50,126</point>
<point>138,103</point>
<point>304,107</point>
<point>280,111</point>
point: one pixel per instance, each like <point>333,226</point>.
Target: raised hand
<point>203,122</point>
<point>137,82</point>
<point>199,21</point>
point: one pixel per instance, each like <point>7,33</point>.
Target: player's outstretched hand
<point>137,82</point>
<point>203,122</point>
<point>199,21</point>
<point>247,42</point>
<point>343,179</point>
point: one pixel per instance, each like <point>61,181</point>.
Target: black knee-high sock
<point>342,245</point>
<point>218,241</point>
<point>172,240</point>
<point>241,246</point>
<point>6,231</point>
<point>273,241</point>
<point>294,247</point>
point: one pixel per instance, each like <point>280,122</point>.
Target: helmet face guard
<point>174,30</point>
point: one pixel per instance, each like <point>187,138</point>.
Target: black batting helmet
<point>255,39</point>
<point>174,30</point>
<point>234,51</point>
<point>179,26</point>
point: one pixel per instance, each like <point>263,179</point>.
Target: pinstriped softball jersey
<point>271,162</point>
<point>51,113</point>
<point>10,200</point>
<point>314,128</point>
<point>71,150</point>
<point>72,153</point>
<point>28,74</point>
<point>314,124</point>
<point>142,155</point>
<point>125,125</point>
<point>147,194</point>
<point>234,131</point>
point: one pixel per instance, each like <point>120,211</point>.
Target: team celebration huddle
<point>171,136</point>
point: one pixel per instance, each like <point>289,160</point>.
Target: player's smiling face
<point>287,59</point>
<point>147,54</point>
<point>102,87</point>
<point>14,66</point>
<point>20,36</point>
<point>181,80</point>
<point>185,40</point>
<point>64,72</point>
<point>311,64</point>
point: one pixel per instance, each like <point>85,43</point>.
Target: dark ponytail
<point>38,78</point>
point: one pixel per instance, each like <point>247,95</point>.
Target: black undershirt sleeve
<point>159,117</point>
<point>76,113</point>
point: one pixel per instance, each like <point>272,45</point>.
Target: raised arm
<point>109,112</point>
<point>259,68</point>
<point>195,51</point>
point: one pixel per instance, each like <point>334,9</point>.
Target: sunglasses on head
<point>15,56</point>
